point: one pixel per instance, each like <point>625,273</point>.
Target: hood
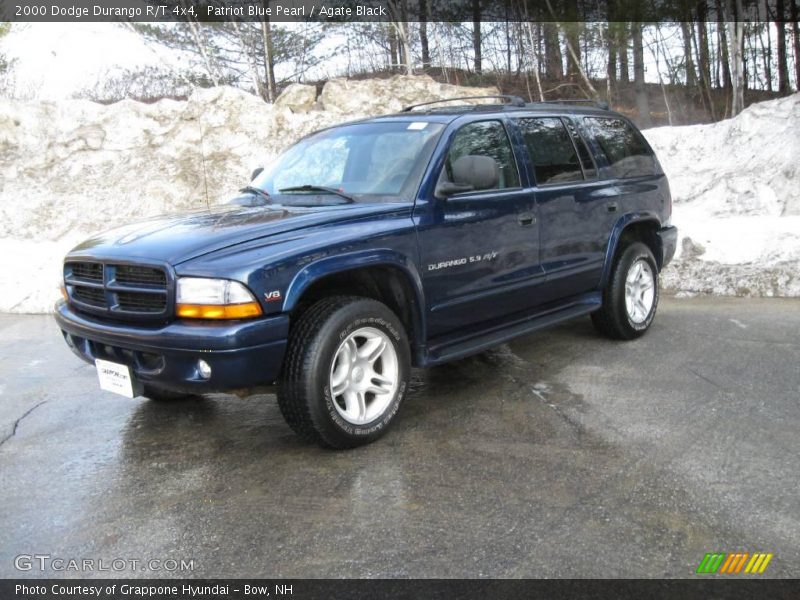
<point>181,237</point>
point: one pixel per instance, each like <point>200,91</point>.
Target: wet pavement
<point>560,454</point>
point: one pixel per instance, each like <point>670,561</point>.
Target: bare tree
<point>642,101</point>
<point>735,38</point>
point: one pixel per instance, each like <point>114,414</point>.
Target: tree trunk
<point>198,40</point>
<point>554,67</point>
<point>642,101</point>
<point>727,81</point>
<point>401,28</point>
<point>796,42</point>
<point>622,41</point>
<point>529,28</point>
<point>580,72</point>
<point>735,37</point>
<point>611,68</point>
<point>703,57</point>
<point>476,35</point>
<point>611,63</point>
<point>573,40</point>
<point>783,65</point>
<point>392,48</point>
<point>766,52</point>
<point>269,64</point>
<point>423,33</point>
<point>691,77</point>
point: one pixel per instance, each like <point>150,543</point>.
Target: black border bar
<point>713,587</point>
<point>331,11</point>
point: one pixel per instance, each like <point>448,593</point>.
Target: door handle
<point>526,219</point>
<point>612,207</point>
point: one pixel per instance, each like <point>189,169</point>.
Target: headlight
<point>199,298</point>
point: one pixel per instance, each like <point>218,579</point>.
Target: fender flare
<point>341,263</point>
<point>616,233</point>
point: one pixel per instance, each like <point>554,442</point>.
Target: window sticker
<point>419,125</point>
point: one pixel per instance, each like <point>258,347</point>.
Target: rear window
<point>551,150</point>
<point>625,148</point>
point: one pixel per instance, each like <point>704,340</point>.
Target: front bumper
<point>668,241</point>
<point>242,354</point>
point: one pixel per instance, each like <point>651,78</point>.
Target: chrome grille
<point>136,275</point>
<point>91,296</point>
<point>146,303</point>
<point>118,290</point>
<point>88,271</point>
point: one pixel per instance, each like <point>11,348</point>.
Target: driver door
<point>480,249</point>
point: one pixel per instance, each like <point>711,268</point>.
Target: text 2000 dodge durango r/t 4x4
<point>408,239</point>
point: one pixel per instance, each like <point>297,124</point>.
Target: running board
<point>461,347</point>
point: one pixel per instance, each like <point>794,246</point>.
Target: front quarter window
<point>484,138</point>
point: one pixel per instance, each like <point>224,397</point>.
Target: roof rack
<point>509,100</point>
<point>598,103</point>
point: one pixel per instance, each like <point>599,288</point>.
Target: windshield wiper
<point>250,189</point>
<point>318,188</point>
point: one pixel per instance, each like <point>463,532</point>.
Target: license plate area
<point>115,377</point>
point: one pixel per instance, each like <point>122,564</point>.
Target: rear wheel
<point>345,373</point>
<point>630,298</point>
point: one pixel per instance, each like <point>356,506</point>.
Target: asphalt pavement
<point>560,454</point>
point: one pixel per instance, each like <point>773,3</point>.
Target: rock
<point>298,98</point>
<point>389,95</point>
<point>690,249</point>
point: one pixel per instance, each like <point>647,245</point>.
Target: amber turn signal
<point>218,311</point>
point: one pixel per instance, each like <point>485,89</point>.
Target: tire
<point>327,392</point>
<point>157,394</point>
<point>621,316</point>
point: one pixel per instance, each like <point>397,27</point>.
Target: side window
<point>485,138</point>
<point>551,150</point>
<point>626,150</point>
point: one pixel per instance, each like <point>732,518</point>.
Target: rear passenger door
<point>576,208</point>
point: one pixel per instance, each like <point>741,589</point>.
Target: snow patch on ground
<point>736,193</point>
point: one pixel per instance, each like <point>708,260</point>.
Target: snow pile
<point>73,168</point>
<point>736,193</point>
<point>70,169</point>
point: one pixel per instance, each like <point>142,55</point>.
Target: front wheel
<point>631,295</point>
<point>345,373</point>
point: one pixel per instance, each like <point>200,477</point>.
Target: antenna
<point>203,158</point>
<point>192,85</point>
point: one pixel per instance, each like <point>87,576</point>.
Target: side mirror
<point>256,173</point>
<point>448,188</point>
<point>478,171</point>
<point>471,172</point>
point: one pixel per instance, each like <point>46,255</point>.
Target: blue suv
<point>370,247</point>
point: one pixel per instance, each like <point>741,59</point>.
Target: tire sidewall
<point>633,253</point>
<point>333,427</point>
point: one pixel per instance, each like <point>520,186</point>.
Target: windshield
<point>367,162</point>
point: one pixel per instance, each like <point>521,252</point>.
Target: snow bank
<point>736,193</point>
<point>69,169</point>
